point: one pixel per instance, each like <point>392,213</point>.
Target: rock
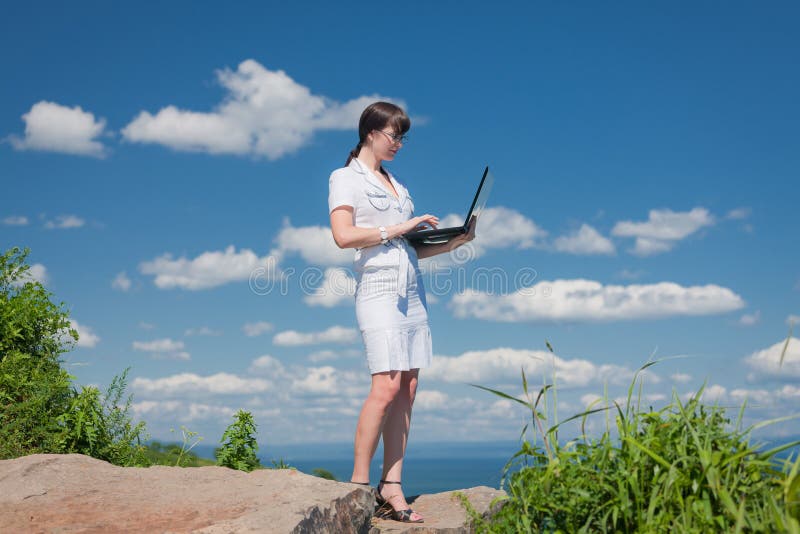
<point>443,512</point>
<point>76,493</point>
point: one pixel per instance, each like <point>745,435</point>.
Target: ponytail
<point>354,153</point>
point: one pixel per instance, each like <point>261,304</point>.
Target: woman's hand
<point>419,223</point>
<point>463,239</point>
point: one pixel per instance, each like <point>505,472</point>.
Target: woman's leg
<point>395,437</point>
<point>382,394</point>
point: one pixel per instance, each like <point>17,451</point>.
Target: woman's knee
<point>409,385</point>
<point>385,391</point>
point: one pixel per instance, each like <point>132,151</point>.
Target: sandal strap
<point>360,483</point>
<point>405,516</point>
<point>390,482</point>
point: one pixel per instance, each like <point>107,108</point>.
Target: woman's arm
<point>347,235</point>
<point>428,250</point>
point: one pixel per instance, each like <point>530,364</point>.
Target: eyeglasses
<point>394,138</point>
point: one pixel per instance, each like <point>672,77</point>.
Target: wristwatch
<point>384,235</point>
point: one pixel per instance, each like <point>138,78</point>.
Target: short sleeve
<point>340,191</point>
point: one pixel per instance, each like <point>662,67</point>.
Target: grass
<point>682,468</point>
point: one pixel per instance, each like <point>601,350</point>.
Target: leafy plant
<point>34,332</point>
<point>683,467</point>
<point>239,446</point>
<point>189,442</point>
<point>99,426</point>
<point>174,454</point>
<point>40,410</point>
<point>280,464</point>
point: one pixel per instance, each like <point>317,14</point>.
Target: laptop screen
<point>481,197</point>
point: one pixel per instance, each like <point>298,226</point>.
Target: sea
<point>428,467</point>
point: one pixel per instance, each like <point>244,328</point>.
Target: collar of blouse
<point>370,177</point>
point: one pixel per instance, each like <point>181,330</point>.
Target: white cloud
<point>585,240</point>
<point>627,274</point>
<point>501,227</point>
<point>793,320</point>
<point>430,400</point>
<point>121,282</point>
<point>65,222</point>
<point>265,113</point>
<point>505,364</point>
<point>750,319</point>
<point>190,383</point>
<point>202,331</point>
<point>328,380</point>
<point>591,399</point>
<point>498,227</point>
<point>318,380</point>
<point>757,396</point>
<point>327,355</point>
<point>256,329</point>
<point>714,393</point>
<point>267,365</point>
<point>210,269</point>
<point>146,326</point>
<point>681,378</point>
<point>766,362</point>
<point>771,397</point>
<point>315,244</point>
<point>337,288</point>
<point>35,273</point>
<point>56,128</point>
<point>86,338</point>
<point>588,300</point>
<point>663,229</point>
<point>182,411</point>
<point>739,213</point>
<point>334,334</point>
<point>16,220</point>
<point>323,355</point>
<point>166,348</point>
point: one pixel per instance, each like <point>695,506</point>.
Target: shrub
<point>239,446</point>
<point>40,410</point>
<point>682,468</point>
<point>98,426</point>
<point>34,389</point>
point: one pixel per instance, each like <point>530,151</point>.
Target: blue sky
<point>158,158</point>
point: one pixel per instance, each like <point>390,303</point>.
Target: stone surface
<point>443,512</point>
<point>75,493</point>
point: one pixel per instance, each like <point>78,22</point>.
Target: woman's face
<point>385,143</point>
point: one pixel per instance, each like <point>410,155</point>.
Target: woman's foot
<point>392,501</point>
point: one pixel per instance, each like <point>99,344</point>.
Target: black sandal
<point>403,516</point>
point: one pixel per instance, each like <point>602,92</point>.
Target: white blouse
<point>373,206</point>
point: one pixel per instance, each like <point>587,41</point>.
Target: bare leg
<point>395,438</point>
<point>382,394</point>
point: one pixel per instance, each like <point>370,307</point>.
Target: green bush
<point>34,389</point>
<point>99,426</point>
<point>681,468</point>
<point>40,410</point>
<point>239,446</point>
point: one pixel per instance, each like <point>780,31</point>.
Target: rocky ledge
<point>76,493</point>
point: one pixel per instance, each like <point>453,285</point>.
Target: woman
<point>370,211</point>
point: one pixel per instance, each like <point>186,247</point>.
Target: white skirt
<point>394,328</point>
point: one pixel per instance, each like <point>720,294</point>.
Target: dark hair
<point>377,116</point>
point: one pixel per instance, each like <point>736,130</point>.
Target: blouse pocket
<point>378,199</point>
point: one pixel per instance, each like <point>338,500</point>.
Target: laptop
<point>443,235</point>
